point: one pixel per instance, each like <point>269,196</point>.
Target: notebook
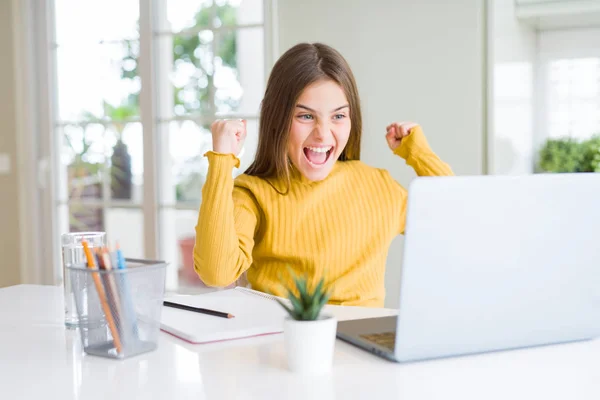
<point>255,314</point>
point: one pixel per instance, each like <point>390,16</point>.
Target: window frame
<point>42,132</point>
<point>551,46</point>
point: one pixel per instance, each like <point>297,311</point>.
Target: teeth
<point>319,149</point>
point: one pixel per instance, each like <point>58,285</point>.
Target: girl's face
<point>320,129</point>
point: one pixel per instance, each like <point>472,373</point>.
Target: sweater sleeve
<point>227,222</point>
<point>417,153</point>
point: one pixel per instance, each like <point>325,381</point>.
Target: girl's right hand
<point>228,135</point>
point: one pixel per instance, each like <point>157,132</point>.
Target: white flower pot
<point>309,345</point>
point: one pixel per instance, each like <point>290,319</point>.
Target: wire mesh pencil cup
<point>119,310</point>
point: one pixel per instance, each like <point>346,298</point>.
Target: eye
<point>339,116</point>
<point>306,117</point>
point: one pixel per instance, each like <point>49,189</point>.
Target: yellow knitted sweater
<point>339,228</point>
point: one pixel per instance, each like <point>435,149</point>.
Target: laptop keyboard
<point>384,339</point>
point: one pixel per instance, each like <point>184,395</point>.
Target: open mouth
<point>317,156</point>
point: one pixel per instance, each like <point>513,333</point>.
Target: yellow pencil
<point>102,295</point>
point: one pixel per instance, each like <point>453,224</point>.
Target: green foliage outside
<point>569,155</point>
<point>195,50</point>
<point>193,97</point>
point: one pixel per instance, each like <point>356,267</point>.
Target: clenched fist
<point>228,135</point>
<point>396,132</point>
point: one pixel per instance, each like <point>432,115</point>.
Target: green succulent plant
<point>307,304</point>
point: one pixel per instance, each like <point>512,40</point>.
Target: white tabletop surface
<point>40,359</point>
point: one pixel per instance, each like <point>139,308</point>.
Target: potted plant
<point>84,180</point>
<point>309,335</point>
<point>121,182</point>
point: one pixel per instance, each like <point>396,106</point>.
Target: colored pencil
<point>126,291</point>
<point>120,259</point>
<point>103,299</point>
<point>111,286</point>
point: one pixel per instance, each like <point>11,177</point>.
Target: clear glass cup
<point>73,255</point>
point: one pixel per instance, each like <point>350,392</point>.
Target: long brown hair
<point>297,68</point>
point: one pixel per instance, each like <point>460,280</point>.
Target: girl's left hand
<point>396,132</point>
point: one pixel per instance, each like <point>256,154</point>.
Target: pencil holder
<point>119,310</point>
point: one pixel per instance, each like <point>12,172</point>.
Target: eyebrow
<point>311,110</point>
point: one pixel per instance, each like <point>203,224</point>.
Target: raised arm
<point>228,216</point>
<point>414,148</point>
<point>408,141</point>
<point>227,222</point>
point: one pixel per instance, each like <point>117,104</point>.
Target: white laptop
<point>493,263</point>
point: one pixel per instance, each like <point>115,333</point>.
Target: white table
<point>40,359</point>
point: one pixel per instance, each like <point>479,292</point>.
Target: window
<point>569,67</point>
<point>513,117</point>
<point>573,97</point>
<point>138,84</point>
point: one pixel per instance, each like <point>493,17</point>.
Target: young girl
<point>306,202</point>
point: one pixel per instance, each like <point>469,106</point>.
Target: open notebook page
<point>255,314</point>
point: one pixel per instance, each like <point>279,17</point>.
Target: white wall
<point>413,60</point>
<point>573,43</point>
<point>513,66</point>
<point>10,273</point>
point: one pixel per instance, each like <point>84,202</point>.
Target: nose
<point>322,130</point>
